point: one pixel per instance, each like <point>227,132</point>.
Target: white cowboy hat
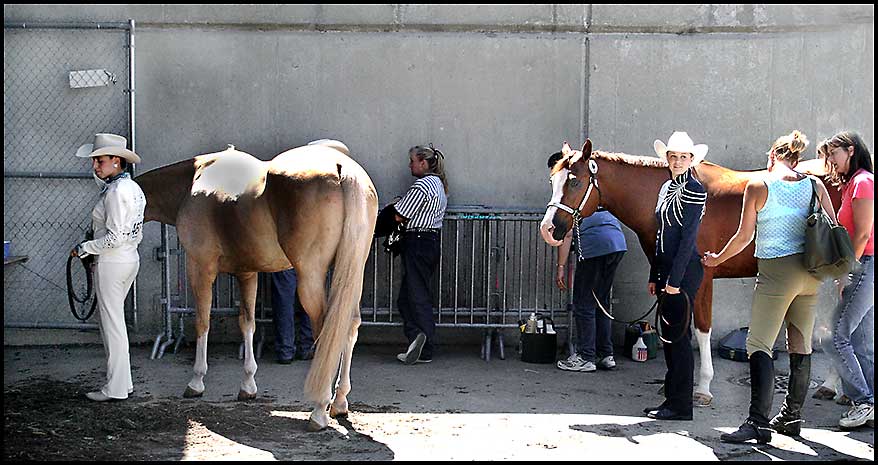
<point>681,142</point>
<point>108,144</point>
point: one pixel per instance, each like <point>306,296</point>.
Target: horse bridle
<point>576,214</point>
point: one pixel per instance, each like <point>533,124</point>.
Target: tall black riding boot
<point>789,420</point>
<point>761,394</point>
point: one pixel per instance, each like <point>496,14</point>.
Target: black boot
<point>789,420</point>
<point>761,394</point>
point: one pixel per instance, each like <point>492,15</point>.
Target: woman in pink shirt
<point>853,321</point>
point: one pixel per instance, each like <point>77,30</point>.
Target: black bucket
<point>538,348</point>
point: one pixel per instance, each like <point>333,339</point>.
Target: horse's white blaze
<point>200,368</point>
<point>546,226</point>
<point>248,385</point>
<point>705,374</point>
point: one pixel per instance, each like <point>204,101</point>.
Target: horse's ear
<point>586,149</point>
<point>565,149</point>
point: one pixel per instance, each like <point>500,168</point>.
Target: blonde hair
<point>823,150</point>
<point>790,147</point>
<point>435,161</point>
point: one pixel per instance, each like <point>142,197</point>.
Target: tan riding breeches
<point>785,292</point>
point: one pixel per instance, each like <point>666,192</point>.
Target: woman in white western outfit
<point>117,223</point>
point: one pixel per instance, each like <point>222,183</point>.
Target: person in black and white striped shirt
<point>421,209</point>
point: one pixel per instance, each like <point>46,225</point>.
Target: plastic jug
<point>639,352</point>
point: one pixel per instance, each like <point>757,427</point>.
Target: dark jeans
<point>420,256</point>
<point>292,327</point>
<point>594,277</point>
<point>679,379</point>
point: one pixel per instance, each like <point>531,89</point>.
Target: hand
<point>559,277</point>
<point>710,259</point>
<point>842,282</point>
<point>671,289</point>
<point>651,288</point>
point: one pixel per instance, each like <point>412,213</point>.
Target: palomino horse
<point>627,186</point>
<point>309,208</point>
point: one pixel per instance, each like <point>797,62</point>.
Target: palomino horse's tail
<point>343,311</point>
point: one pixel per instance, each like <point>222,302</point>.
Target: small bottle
<point>638,351</point>
<point>550,328</point>
<point>540,327</point>
<point>531,325</point>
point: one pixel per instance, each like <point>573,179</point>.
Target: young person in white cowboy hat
<point>117,221</point>
<point>676,272</point>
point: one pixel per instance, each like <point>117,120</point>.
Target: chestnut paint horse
<point>311,207</point>
<point>628,186</point>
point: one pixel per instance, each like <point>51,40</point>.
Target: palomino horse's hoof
<point>313,426</point>
<point>333,413</point>
<point>190,393</point>
<point>700,399</point>
<point>242,395</point>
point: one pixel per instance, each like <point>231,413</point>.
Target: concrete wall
<point>496,87</point>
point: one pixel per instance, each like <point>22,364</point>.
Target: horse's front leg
<point>703,316</point>
<point>339,407</point>
<point>702,396</point>
<point>248,282</point>
<point>202,281</point>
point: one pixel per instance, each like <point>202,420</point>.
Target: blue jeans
<point>594,277</point>
<point>292,327</point>
<point>853,334</point>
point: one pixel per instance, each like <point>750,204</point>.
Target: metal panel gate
<point>494,271</point>
<point>62,84</point>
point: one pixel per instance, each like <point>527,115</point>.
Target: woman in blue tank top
<point>774,211</point>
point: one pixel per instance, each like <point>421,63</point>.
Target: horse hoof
<point>314,427</point>
<point>701,400</point>
<point>333,413</point>
<point>242,395</point>
<point>190,393</point>
<point>824,393</point>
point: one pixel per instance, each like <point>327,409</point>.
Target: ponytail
<point>435,161</point>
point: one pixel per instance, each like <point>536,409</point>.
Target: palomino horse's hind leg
<point>312,294</point>
<point>201,279</point>
<point>339,407</point>
<point>248,283</point>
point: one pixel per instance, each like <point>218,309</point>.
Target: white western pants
<point>113,282</point>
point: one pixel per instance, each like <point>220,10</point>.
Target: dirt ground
<point>459,408</point>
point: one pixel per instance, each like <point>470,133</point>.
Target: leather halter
<point>592,183</point>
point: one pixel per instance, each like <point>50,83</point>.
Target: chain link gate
<point>62,84</point>
<point>494,270</point>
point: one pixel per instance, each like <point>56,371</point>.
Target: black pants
<point>594,277</point>
<point>420,257</point>
<point>679,379</point>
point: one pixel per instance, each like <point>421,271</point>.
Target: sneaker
<point>858,415</point>
<point>576,363</point>
<point>413,353</point>
<point>401,358</point>
<point>607,363</point>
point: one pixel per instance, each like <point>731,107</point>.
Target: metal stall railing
<point>62,84</point>
<point>494,271</point>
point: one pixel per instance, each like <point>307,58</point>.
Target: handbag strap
<point>814,207</point>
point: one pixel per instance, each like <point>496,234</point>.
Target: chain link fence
<point>62,84</point>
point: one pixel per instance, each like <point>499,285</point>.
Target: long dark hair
<point>861,159</point>
<point>435,161</point>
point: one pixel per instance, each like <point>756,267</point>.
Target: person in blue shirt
<point>293,337</point>
<point>676,271</point>
<point>600,245</point>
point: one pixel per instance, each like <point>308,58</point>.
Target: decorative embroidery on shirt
<point>671,207</point>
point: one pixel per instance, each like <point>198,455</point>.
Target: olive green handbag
<point>829,252</point>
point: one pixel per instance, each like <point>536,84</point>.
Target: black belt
<point>423,230</point>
